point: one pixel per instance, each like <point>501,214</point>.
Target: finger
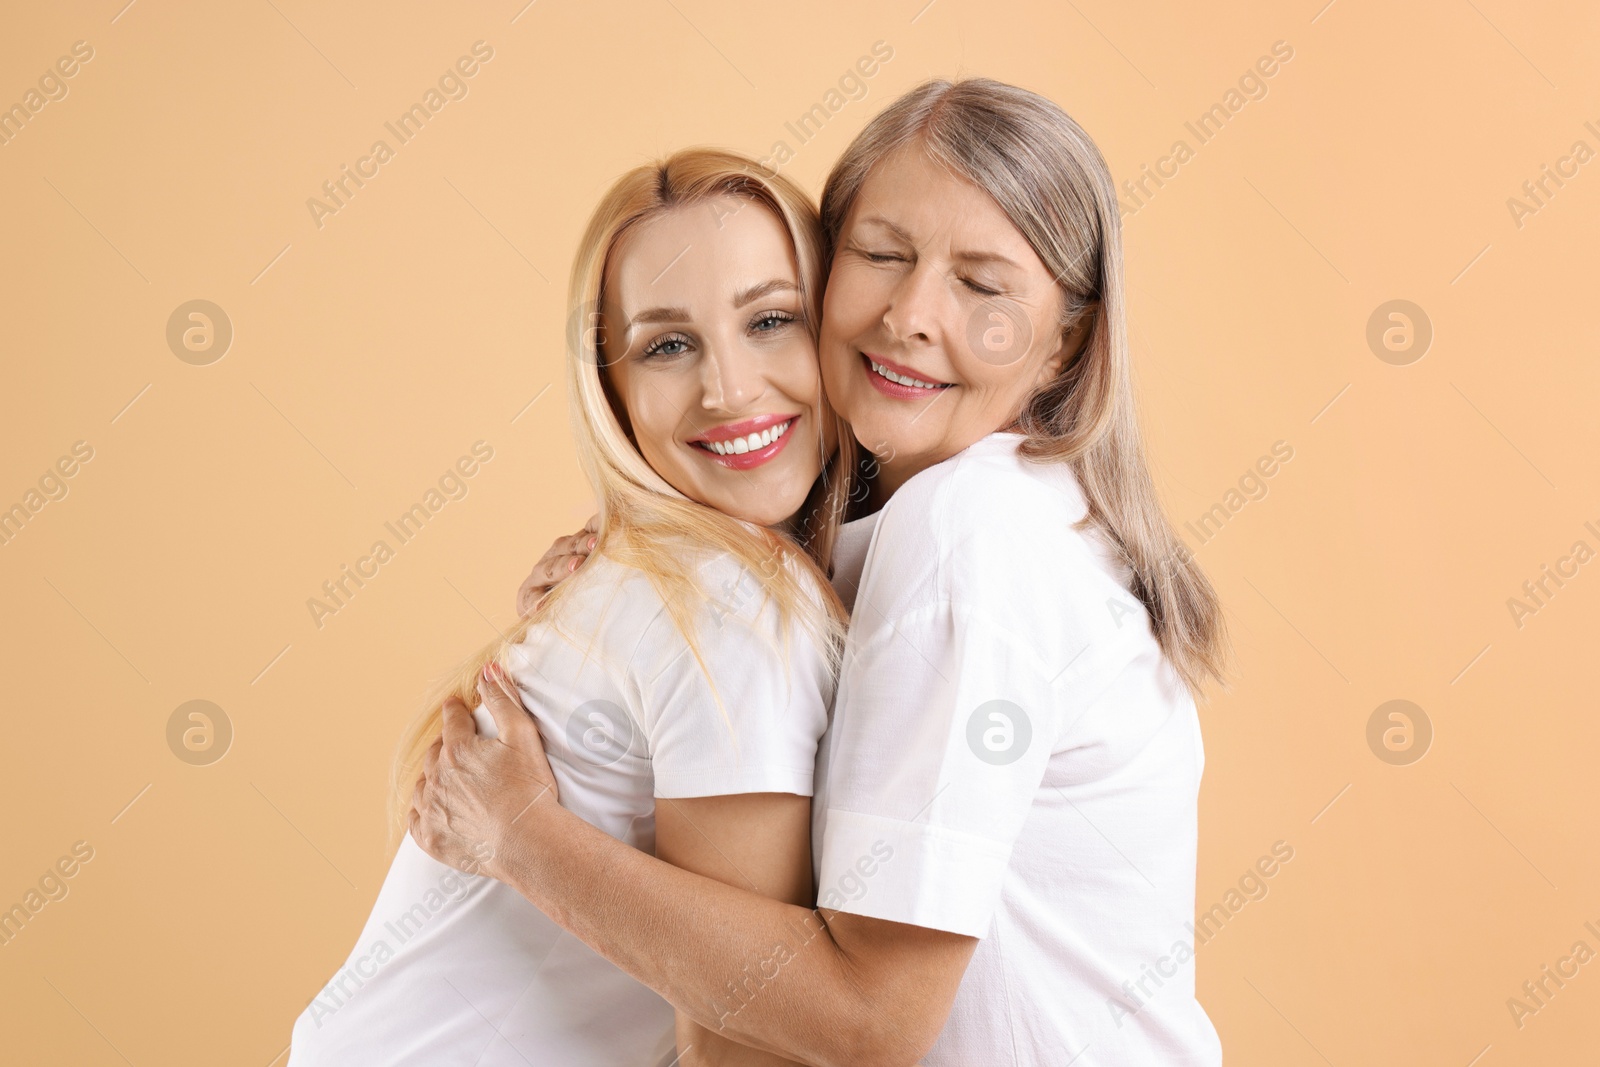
<point>593,525</point>
<point>566,545</point>
<point>430,759</point>
<point>458,724</point>
<point>541,582</point>
<point>553,571</point>
<point>500,696</point>
<point>529,594</point>
<point>574,545</point>
<point>565,556</point>
<point>546,573</point>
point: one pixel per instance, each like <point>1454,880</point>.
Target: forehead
<point>909,192</point>
<point>698,255</point>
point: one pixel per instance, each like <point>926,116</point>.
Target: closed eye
<point>876,257</point>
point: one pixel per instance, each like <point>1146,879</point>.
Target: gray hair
<point>1051,181</point>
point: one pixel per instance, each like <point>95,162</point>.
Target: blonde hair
<point>1046,174</point>
<point>645,523</point>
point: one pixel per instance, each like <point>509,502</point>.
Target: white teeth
<point>901,379</point>
<point>738,446</point>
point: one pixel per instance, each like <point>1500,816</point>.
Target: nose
<point>914,304</point>
<point>729,378</point>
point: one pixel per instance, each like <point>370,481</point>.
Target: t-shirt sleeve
<point>750,719</point>
<point>979,637</point>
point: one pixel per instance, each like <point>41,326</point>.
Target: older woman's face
<point>939,318</point>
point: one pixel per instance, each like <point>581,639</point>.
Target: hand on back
<point>564,557</point>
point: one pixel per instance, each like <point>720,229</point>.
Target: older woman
<point>1005,818</point>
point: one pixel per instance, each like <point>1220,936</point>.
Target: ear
<point>1050,369</point>
<point>1070,347</point>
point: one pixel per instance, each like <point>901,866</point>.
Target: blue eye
<point>771,321</point>
<point>670,345</point>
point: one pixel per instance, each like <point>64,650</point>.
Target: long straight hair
<point>1048,177</point>
<point>645,523</point>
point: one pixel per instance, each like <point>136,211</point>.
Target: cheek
<point>1004,369</point>
<point>652,411</point>
<point>979,374</point>
<point>856,298</point>
<point>846,317</point>
<point>801,376</point>
<point>832,357</point>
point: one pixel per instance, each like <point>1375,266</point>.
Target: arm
<point>820,987</point>
<point>755,841</point>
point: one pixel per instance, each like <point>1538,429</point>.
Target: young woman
<point>1005,824</point>
<point>683,678</point>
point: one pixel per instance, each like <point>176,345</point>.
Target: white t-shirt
<point>850,546</point>
<point>461,969</point>
<point>1012,758</point>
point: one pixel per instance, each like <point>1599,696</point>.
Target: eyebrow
<point>756,292</point>
<point>649,315</point>
<point>987,257</point>
<point>879,220</point>
<point>965,257</point>
<point>740,299</point>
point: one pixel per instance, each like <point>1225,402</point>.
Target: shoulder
<point>982,488</point>
<point>733,621</point>
<point>988,502</point>
<point>621,590</point>
<point>994,536</point>
<point>606,610</point>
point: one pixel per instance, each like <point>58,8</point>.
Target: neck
<point>890,478</point>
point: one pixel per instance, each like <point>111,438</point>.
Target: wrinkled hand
<point>563,558</point>
<point>474,788</point>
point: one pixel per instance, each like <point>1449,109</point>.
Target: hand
<point>558,563</point>
<point>473,788</point>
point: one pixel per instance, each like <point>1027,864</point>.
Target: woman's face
<point>707,350</point>
<point>933,284</point>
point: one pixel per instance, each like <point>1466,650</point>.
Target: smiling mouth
<point>738,446</point>
<point>897,381</point>
<point>742,451</point>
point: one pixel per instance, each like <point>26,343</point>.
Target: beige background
<point>427,314</point>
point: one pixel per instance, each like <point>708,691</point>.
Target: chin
<point>760,517</point>
<point>878,431</point>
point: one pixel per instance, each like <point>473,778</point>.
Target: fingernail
<point>591,544</point>
<point>573,565</point>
